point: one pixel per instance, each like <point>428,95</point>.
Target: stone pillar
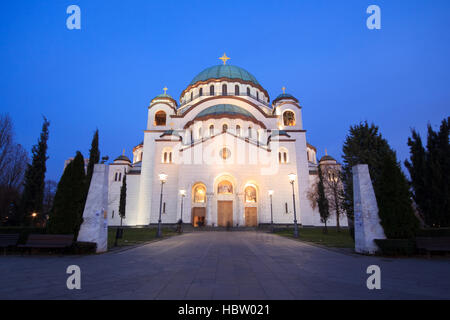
<point>367,221</point>
<point>209,205</point>
<point>95,218</point>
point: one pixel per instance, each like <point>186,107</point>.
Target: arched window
<point>200,92</point>
<point>115,176</point>
<point>192,96</point>
<point>283,156</point>
<point>166,156</point>
<point>236,90</point>
<point>211,90</point>
<point>224,90</point>
<point>289,118</point>
<point>225,187</point>
<point>211,130</point>
<point>200,132</point>
<point>257,95</point>
<point>199,194</point>
<point>160,118</point>
<point>224,127</point>
<point>250,194</point>
<point>238,130</point>
<point>225,153</point>
<point>248,91</point>
<point>250,132</point>
<point>120,176</point>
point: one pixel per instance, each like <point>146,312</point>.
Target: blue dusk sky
<point>104,75</point>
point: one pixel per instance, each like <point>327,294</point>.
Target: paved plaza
<point>224,265</point>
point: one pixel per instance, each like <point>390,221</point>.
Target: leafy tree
<point>322,202</point>
<point>33,193</point>
<point>94,158</point>
<point>66,215</point>
<point>429,171</point>
<point>363,145</point>
<point>394,202</point>
<point>123,198</point>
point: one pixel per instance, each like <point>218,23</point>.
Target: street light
<point>33,216</point>
<point>292,177</point>
<point>183,194</point>
<point>271,211</point>
<point>163,179</point>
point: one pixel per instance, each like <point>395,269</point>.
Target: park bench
<point>8,240</point>
<point>433,244</point>
<point>48,241</point>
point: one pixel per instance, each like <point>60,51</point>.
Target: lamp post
<point>183,194</point>
<point>33,216</point>
<point>271,210</point>
<point>292,177</point>
<point>163,179</point>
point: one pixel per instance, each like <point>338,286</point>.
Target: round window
<point>225,153</point>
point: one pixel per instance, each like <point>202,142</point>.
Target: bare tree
<point>6,140</point>
<point>334,191</point>
<point>49,195</point>
<point>13,163</point>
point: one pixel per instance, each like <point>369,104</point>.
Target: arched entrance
<point>250,206</point>
<point>198,205</point>
<point>224,204</point>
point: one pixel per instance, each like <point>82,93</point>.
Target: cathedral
<point>223,155</point>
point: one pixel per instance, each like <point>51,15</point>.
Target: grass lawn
<point>132,236</point>
<point>332,239</point>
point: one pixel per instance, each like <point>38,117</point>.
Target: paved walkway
<point>223,265</point>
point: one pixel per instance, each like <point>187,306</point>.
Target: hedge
<point>394,247</point>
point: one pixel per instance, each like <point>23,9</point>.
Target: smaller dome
<point>285,96</point>
<point>224,109</point>
<point>122,158</point>
<point>163,96</point>
<point>327,158</point>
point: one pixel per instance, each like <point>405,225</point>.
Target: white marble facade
<point>226,145</point>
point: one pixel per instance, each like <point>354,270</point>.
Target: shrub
<point>81,247</point>
<point>395,247</point>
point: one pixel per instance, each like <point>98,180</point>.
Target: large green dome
<point>224,71</point>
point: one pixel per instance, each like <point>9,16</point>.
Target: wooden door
<point>198,216</point>
<point>225,213</point>
<point>251,217</point>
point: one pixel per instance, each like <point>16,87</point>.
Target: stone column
<point>95,218</point>
<point>209,201</point>
<point>367,221</point>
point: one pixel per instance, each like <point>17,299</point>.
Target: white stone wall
<point>249,164</point>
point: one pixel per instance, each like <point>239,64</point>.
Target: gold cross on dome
<point>284,90</point>
<point>165,90</point>
<point>224,58</point>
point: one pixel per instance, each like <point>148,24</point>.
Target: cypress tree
<point>34,180</point>
<point>322,202</point>
<point>123,198</point>
<point>394,202</point>
<point>363,145</point>
<point>94,158</point>
<point>67,213</point>
<point>429,170</point>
